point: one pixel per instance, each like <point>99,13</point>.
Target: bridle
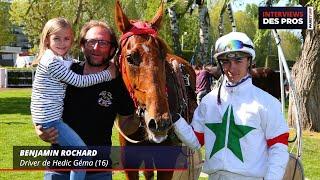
<point>142,28</point>
<point>138,28</point>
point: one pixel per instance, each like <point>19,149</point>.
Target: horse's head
<point>142,65</point>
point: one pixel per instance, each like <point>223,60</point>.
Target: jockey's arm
<point>277,133</point>
<point>192,135</point>
<point>187,135</point>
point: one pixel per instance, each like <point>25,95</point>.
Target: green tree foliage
<point>214,14</point>
<point>145,10</point>
<point>245,23</point>
<point>6,36</point>
<point>265,47</point>
<point>190,24</point>
<point>252,11</point>
<point>32,15</point>
<point>135,9</point>
<point>291,45</point>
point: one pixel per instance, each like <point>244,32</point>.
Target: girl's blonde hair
<point>52,26</point>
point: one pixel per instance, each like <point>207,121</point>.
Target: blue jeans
<point>67,137</point>
<point>51,175</point>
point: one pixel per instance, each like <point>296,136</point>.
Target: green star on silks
<point>235,133</point>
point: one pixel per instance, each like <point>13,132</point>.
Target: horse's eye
<point>134,59</point>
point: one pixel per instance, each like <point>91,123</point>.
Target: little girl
<point>51,79</point>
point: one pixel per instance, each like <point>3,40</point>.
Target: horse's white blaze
<point>145,48</point>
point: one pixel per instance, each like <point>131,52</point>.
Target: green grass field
<point>16,129</point>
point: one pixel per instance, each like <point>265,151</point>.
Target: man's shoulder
<point>77,66</point>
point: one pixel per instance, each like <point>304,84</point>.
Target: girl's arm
<point>57,70</point>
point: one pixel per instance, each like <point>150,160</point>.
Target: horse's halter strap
<point>139,28</point>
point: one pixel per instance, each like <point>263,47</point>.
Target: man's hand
<point>48,135</point>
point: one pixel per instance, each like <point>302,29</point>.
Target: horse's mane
<point>165,48</point>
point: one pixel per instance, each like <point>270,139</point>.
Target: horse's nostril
<point>159,126</point>
<point>152,125</point>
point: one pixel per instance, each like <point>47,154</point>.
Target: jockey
<point>244,130</point>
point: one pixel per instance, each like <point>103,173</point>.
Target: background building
<point>12,51</point>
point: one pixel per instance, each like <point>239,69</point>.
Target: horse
<point>159,83</point>
<point>267,80</point>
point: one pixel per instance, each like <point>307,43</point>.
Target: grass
<point>16,129</point>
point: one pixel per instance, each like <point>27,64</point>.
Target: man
<point>245,134</point>
<point>91,111</point>
<point>203,84</point>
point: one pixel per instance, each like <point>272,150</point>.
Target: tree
<point>252,11</point>
<point>6,35</point>
<point>176,11</point>
<point>174,29</point>
<point>190,23</point>
<point>32,15</point>
<point>291,45</point>
<point>204,33</point>
<point>306,74</point>
<point>265,47</point>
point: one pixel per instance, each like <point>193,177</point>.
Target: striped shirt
<point>49,86</point>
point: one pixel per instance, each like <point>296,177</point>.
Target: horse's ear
<point>156,20</point>
<point>121,19</point>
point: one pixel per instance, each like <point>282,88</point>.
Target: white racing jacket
<point>246,134</point>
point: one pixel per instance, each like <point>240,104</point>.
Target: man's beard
<point>91,63</point>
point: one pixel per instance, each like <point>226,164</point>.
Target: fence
<point>16,77</point>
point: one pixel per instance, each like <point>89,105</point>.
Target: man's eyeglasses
<point>232,45</point>
<point>101,43</point>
